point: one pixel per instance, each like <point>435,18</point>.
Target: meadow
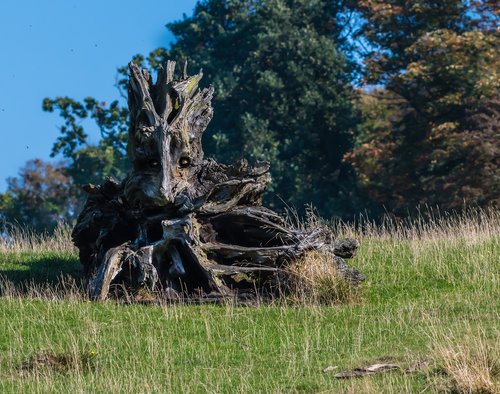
<point>431,296</point>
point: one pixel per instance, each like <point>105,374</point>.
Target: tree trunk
<point>179,223</point>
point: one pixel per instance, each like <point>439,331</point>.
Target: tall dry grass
<point>471,224</point>
<point>15,238</point>
<point>428,235</point>
<point>468,364</point>
<point>66,288</point>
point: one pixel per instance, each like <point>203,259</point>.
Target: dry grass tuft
<point>472,225</point>
<point>66,288</point>
<point>315,279</point>
<point>466,366</point>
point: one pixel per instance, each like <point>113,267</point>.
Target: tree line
<point>367,105</point>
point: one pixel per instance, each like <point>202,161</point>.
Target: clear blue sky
<point>67,48</point>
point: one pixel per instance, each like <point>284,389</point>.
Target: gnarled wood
<point>179,223</point>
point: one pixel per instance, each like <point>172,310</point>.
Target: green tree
<point>439,143</point>
<point>89,163</point>
<point>283,92</point>
<point>39,197</point>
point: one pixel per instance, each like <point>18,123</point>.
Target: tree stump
<point>180,224</point>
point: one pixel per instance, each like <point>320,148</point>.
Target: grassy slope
<point>416,293</point>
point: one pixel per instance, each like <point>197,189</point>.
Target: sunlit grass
<point>431,294</point>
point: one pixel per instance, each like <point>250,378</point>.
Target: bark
<point>180,223</point>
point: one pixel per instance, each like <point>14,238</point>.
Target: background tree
<point>439,65</point>
<point>40,196</point>
<point>283,92</point>
<point>89,163</point>
<point>85,162</point>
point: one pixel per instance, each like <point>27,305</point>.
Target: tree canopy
<point>430,133</point>
<point>40,197</point>
<point>358,105</point>
<point>282,92</point>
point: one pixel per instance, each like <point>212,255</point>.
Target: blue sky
<point>67,48</point>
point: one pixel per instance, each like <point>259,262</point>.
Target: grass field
<point>431,294</point>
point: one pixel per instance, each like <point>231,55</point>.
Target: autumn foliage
<point>430,134</point>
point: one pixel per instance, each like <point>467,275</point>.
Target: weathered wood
<point>182,224</point>
<point>345,248</point>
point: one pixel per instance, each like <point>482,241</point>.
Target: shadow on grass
<point>26,270</point>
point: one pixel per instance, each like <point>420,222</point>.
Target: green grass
<point>38,267</point>
<point>417,291</point>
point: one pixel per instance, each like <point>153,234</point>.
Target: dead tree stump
<point>180,223</point>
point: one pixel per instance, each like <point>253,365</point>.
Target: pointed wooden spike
<point>184,73</point>
<point>170,68</point>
